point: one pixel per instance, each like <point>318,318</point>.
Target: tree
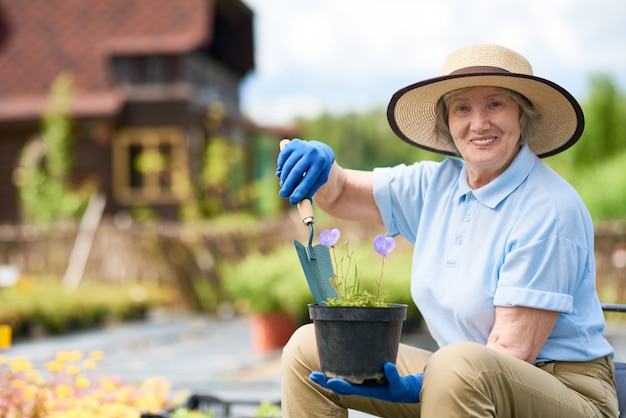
<point>605,127</point>
<point>362,141</point>
<point>595,165</point>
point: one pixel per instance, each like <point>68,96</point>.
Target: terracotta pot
<point>271,331</point>
<point>355,342</point>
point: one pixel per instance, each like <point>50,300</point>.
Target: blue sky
<point>352,55</point>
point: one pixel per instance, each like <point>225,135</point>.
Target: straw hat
<point>411,112</point>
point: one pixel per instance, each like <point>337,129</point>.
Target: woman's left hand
<point>400,389</point>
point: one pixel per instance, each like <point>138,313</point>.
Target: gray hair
<point>528,118</point>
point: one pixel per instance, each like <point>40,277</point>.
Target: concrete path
<point>197,353</point>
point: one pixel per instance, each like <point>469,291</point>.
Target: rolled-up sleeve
<point>542,275</point>
<point>513,296</point>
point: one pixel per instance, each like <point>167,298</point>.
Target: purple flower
<point>329,237</point>
<point>384,245</point>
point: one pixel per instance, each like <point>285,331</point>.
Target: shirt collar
<point>497,190</point>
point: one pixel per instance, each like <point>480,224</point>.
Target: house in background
<point>146,74</point>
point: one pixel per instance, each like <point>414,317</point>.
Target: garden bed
<point>36,307</point>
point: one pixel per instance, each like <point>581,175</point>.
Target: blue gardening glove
<point>303,168</point>
<point>401,389</point>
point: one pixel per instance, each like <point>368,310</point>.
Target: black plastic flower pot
<point>355,342</point>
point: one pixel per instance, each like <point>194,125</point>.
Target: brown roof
<point>41,38</point>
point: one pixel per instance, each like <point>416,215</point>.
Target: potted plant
<point>264,286</point>
<point>358,331</point>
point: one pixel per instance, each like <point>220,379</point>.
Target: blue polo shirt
<point>524,239</point>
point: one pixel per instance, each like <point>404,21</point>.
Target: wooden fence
<point>177,254</point>
<point>123,251</point>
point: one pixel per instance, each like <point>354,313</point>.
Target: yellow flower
<point>29,393</point>
<point>96,355</point>
<point>70,394</point>
<point>63,392</point>
<point>89,364</point>
<point>50,403</point>
<point>63,356</point>
<point>37,380</point>
<point>72,369</point>
<point>54,366</point>
<point>19,364</point>
<point>156,384</point>
<point>74,356</point>
<point>82,382</point>
<point>109,384</point>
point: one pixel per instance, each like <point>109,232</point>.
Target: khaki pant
<point>460,380</point>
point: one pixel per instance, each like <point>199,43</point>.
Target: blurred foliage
<point>43,304</point>
<point>182,412</point>
<point>45,164</point>
<point>221,171</point>
<point>267,409</point>
<point>71,386</point>
<point>265,184</point>
<point>602,186</point>
<point>362,141</point>
<point>268,282</point>
<point>605,123</point>
<point>595,166</point>
<point>275,281</point>
<point>236,175</point>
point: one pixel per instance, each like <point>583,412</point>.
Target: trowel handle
<point>305,209</point>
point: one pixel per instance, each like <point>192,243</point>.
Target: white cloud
<point>353,54</point>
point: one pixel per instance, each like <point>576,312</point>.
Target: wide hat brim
<point>412,110</point>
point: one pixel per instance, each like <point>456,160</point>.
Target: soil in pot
<point>355,342</point>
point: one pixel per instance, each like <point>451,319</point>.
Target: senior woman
<point>503,269</point>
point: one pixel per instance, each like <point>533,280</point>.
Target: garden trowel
<point>315,259</point>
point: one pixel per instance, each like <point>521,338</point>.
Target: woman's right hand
<point>303,167</point>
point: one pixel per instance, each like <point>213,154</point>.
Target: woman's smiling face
<point>485,125</point>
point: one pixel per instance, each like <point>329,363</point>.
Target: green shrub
<point>268,282</point>
<point>44,304</point>
<point>603,188</point>
<point>275,281</point>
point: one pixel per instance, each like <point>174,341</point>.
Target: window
<point>150,166</point>
<point>147,70</point>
